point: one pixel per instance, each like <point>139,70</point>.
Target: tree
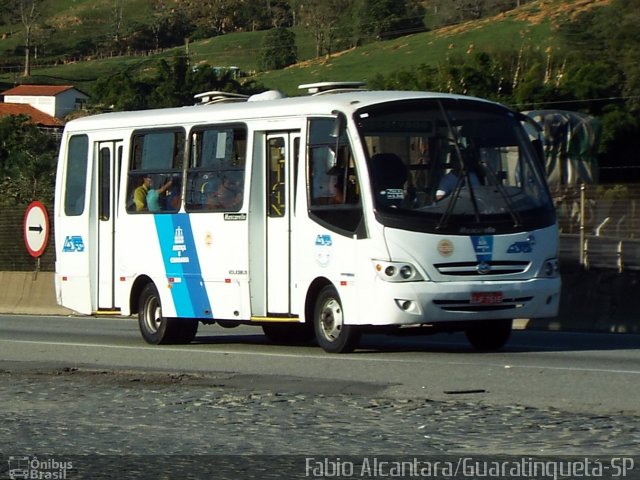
<point>605,76</point>
<point>619,144</point>
<point>27,161</point>
<point>592,82</point>
<point>453,11</point>
<point>160,18</point>
<point>121,92</point>
<point>379,19</point>
<point>623,45</point>
<point>173,85</point>
<point>218,16</point>
<point>280,13</point>
<point>329,22</point>
<point>117,9</point>
<point>27,12</point>
<point>278,49</point>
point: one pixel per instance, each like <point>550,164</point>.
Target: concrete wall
<point>29,293</point>
<point>600,300</point>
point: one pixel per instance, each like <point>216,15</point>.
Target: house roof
<point>39,90</point>
<point>36,116</point>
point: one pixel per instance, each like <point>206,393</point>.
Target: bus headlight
<point>406,272</point>
<point>396,271</point>
<point>550,268</point>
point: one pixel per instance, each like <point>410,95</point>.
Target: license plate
<point>486,298</point>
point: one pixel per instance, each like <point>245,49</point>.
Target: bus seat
<point>389,175</point>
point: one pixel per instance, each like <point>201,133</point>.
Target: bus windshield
<point>453,166</point>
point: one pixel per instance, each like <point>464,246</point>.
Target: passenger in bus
<point>154,196</point>
<point>450,180</point>
<point>228,196</point>
<point>140,193</point>
<point>173,199</point>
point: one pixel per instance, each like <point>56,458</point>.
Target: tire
<point>157,329</point>
<point>489,335</point>
<point>290,334</point>
<point>328,321</point>
<point>188,330</point>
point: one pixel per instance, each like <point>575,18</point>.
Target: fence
<point>13,252</point>
<point>599,228</point>
<point>600,225</point>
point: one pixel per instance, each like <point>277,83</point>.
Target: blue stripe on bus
<point>182,265</point>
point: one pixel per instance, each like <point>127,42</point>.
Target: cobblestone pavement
<point>75,412</point>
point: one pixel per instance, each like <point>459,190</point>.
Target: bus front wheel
<point>489,334</point>
<point>328,321</point>
<point>157,329</point>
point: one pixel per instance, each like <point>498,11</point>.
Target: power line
<point>585,100</point>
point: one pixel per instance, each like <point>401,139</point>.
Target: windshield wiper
<point>463,178</point>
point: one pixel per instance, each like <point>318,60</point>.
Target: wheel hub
<point>331,320</point>
<point>153,315</point>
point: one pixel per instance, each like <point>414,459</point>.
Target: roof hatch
<point>215,96</point>
<point>322,88</point>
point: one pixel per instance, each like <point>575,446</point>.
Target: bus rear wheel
<point>157,329</point>
<point>489,334</point>
<point>328,321</point>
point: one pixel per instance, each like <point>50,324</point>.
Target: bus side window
<point>76,175</point>
<point>215,178</point>
<point>154,182</point>
<point>333,178</point>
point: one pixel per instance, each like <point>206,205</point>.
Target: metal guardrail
<point>599,225</point>
<point>600,252</point>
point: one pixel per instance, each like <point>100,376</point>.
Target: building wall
<point>67,102</point>
<point>44,104</point>
<point>57,106</point>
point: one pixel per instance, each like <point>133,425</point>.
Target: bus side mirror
<point>335,158</point>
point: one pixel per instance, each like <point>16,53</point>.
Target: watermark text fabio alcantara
<point>469,467</point>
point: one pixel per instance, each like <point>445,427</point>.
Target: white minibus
<point>317,217</point>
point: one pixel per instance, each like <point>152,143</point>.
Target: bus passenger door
<point>281,154</point>
<point>108,162</point>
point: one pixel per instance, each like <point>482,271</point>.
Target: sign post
<point>36,230</point>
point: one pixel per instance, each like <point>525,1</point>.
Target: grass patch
<point>530,29</point>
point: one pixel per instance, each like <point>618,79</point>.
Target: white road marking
<point>333,358</point>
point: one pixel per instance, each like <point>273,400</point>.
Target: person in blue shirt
<point>154,196</point>
<point>449,181</point>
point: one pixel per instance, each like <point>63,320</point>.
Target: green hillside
<point>506,33</point>
<point>528,29</point>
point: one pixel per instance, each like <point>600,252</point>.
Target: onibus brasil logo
<point>28,467</point>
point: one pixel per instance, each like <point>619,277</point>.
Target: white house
<point>54,100</point>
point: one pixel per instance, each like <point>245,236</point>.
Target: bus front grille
<point>467,269</point>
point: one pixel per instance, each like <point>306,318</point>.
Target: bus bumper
<point>414,303</point>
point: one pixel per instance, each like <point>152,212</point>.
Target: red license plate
<point>486,298</point>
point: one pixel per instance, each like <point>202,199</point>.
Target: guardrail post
<point>620,256</point>
<point>583,242</point>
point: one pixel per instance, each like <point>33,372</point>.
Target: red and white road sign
<point>36,228</point>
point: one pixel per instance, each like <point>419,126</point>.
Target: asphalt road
<point>575,372</point>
